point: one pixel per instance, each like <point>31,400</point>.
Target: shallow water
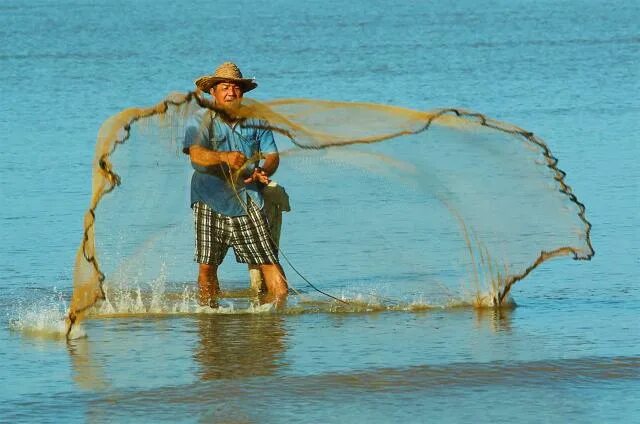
<point>568,352</point>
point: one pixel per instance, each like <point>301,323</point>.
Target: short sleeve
<point>267,142</point>
<point>196,131</point>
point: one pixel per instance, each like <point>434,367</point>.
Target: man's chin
<point>234,104</point>
<point>232,110</point>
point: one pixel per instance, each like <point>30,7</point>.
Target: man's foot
<point>206,299</point>
<point>279,302</point>
<point>213,303</point>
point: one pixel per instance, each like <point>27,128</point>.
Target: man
<point>226,189</point>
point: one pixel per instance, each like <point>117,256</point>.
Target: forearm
<point>205,157</point>
<point>271,162</point>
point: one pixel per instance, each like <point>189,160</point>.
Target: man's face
<point>227,94</point>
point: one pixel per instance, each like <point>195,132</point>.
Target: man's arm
<point>271,162</point>
<point>206,157</point>
<point>196,145</point>
<point>271,157</point>
<point>261,174</point>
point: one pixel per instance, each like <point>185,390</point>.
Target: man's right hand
<point>235,160</point>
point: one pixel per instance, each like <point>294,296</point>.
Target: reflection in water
<point>497,319</point>
<point>233,346</point>
<point>87,373</point>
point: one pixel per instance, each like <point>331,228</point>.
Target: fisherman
<point>228,209</point>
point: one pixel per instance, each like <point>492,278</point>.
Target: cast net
<point>395,204</point>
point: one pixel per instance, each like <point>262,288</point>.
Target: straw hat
<point>227,72</point>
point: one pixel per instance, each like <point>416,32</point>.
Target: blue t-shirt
<point>212,185</point>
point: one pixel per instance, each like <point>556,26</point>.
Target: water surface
<point>569,352</point>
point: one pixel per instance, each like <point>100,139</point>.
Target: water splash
<point>123,298</point>
<point>43,318</point>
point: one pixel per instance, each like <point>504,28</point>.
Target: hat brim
<point>206,82</point>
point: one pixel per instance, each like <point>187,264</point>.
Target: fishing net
<point>408,204</point>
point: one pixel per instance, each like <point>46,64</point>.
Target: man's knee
<point>270,268</point>
<point>208,269</point>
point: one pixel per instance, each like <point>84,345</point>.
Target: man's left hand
<point>258,176</point>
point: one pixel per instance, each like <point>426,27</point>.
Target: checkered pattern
<point>248,234</point>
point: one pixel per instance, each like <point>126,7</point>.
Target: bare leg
<point>257,285</point>
<point>276,283</point>
<point>207,283</point>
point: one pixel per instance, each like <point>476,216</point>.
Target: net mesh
<point>422,203</point>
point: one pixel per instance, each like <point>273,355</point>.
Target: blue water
<point>568,71</point>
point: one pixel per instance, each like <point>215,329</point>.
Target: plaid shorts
<point>248,234</point>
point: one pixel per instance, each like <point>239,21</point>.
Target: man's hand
<point>235,160</point>
<point>258,176</point>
